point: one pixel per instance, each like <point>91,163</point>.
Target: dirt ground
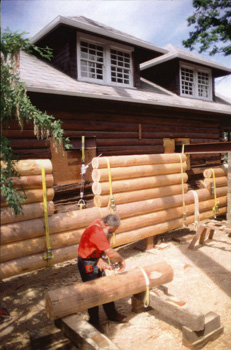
<point>201,279</point>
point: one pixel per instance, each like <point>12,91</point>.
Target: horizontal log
<point>30,211</point>
<point>25,143</point>
<point>40,153</point>
<point>37,245</point>
<point>32,181</point>
<point>123,150</point>
<point>128,142</point>
<point>31,166</point>
<point>11,133</point>
<point>37,261</point>
<point>71,220</point>
<point>139,195</point>
<point>149,231</point>
<point>157,217</point>
<point>160,118</point>
<point>33,196</point>
<point>102,188</point>
<point>101,175</point>
<point>208,183</point>
<point>144,159</point>
<point>65,301</point>
<point>217,171</point>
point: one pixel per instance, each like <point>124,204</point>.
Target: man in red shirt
<point>93,244</point>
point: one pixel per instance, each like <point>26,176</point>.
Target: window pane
<point>186,81</point>
<point>91,60</point>
<point>120,67</point>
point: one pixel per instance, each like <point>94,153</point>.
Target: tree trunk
<point>144,159</point>
<point>30,211</point>
<point>103,188</point>
<point>81,296</point>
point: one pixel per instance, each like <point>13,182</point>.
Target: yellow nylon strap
<point>216,202</point>
<point>182,183</point>
<point>83,149</point>
<point>147,296</point>
<point>111,203</point>
<point>48,255</point>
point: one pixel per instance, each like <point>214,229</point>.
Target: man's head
<point>112,222</point>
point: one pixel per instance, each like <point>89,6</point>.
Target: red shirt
<point>93,241</point>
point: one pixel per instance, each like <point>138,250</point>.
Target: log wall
<point>23,243</point>
<point>119,129</point>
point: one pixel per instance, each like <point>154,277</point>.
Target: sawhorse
<point>201,234</point>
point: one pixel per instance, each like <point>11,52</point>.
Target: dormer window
<point>104,62</point>
<point>195,82</point>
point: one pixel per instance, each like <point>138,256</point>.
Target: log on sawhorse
<point>197,328</point>
<point>83,335</point>
<point>202,233</point>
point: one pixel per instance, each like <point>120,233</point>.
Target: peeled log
<point>31,166</point>
<point>81,218</point>
<point>218,172</point>
<point>219,181</point>
<point>137,171</point>
<point>102,188</point>
<point>144,159</point>
<point>157,217</point>
<point>33,196</point>
<point>149,231</point>
<point>33,181</point>
<point>81,296</point>
<point>35,262</point>
<point>134,196</point>
<point>34,246</point>
<point>30,211</point>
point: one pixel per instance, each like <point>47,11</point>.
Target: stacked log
<point>214,178</point>
<point>29,185</point>
<point>23,243</point>
<point>139,177</point>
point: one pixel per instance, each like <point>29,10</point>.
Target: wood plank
<point>83,334</point>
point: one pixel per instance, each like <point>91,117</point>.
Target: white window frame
<point>196,69</point>
<point>107,45</point>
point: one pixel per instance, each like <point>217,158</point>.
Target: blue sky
<point>159,22</point>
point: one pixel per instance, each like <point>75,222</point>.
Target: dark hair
<point>112,220</point>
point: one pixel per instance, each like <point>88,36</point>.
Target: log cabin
<point>118,95</point>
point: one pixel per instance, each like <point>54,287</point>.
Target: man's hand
<point>101,264</point>
<point>123,266</point>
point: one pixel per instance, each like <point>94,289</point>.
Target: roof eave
<point>120,99</point>
<point>168,57</point>
<point>100,31</point>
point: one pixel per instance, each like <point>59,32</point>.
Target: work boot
<point>117,317</point>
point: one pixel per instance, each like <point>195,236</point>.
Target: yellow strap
<point>147,296</point>
<point>111,203</point>
<point>48,255</point>
<point>182,182</point>
<point>216,202</point>
<point>83,149</point>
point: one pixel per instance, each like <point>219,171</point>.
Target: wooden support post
<point>149,243</point>
<point>202,236</point>
<point>211,232</point>
<point>201,230</point>
<point>83,334</point>
<point>228,216</point>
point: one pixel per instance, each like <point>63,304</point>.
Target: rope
<point>111,202</point>
<point>196,210</point>
<point>48,254</point>
<point>182,183</point>
<point>147,297</point>
<point>216,202</point>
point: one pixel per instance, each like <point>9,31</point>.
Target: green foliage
<point>212,27</point>
<point>16,105</point>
